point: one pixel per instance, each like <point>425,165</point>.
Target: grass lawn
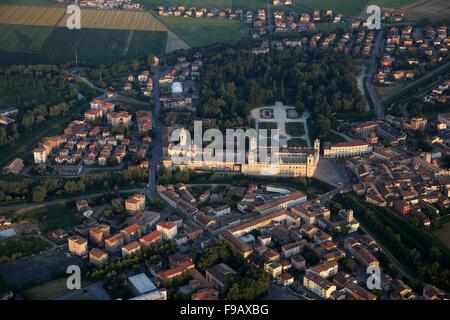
<point>50,289</point>
<point>297,142</point>
<point>53,217</point>
<point>20,247</point>
<point>267,125</point>
<point>443,234</point>
<point>332,137</point>
<point>295,129</point>
<point>206,31</point>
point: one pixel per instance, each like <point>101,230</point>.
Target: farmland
<point>206,31</point>
<point>27,15</point>
<point>353,7</point>
<point>36,44</point>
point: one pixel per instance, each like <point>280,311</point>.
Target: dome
<point>177,87</point>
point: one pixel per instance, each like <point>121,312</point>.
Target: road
<point>117,97</point>
<point>30,206</point>
<point>394,261</point>
<point>370,76</point>
<point>156,153</point>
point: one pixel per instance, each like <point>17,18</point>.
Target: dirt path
<point>174,42</point>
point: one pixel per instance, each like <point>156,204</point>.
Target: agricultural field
<point>22,38</point>
<point>41,3</point>
<point>27,15</point>
<point>220,4</point>
<point>122,20</point>
<point>37,44</point>
<point>206,31</point>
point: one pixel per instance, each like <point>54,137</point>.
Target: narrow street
<point>370,72</point>
<point>156,153</point>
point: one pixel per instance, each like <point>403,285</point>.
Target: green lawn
<point>295,129</point>
<point>267,125</point>
<point>206,31</point>
<point>297,142</point>
<point>53,217</point>
<point>37,44</point>
<point>21,246</point>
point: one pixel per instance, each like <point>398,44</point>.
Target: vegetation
<point>219,4</point>
<point>38,190</point>
<point>417,250</point>
<point>53,217</point>
<point>206,31</point>
<point>236,81</point>
<point>295,129</point>
<point>15,248</point>
<point>40,44</point>
<point>248,284</point>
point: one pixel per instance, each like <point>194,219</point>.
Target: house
<point>78,245</point>
<point>326,269</point>
<point>176,271</point>
<point>135,203</point>
<point>99,233</point>
<point>152,237</point>
<point>319,285</point>
<point>220,275</point>
<point>168,229</point>
<point>286,279</point>
<point>293,248</point>
<point>222,210</point>
<point>131,248</point>
<point>273,268</point>
<point>98,257</point>
<point>131,233</point>
<point>298,262</point>
<point>112,244</point>
<point>14,167</point>
<point>40,155</point>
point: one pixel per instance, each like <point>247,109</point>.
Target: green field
<point>393,4</point>
<point>295,129</point>
<point>53,217</point>
<point>36,44</point>
<point>348,7</point>
<point>219,4</point>
<point>21,246</point>
<point>206,31</point>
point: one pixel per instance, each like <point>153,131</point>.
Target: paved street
<point>156,153</point>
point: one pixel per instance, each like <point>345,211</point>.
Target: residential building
<point>78,245</point>
<point>98,257</point>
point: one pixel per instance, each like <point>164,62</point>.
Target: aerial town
<point>90,176</point>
